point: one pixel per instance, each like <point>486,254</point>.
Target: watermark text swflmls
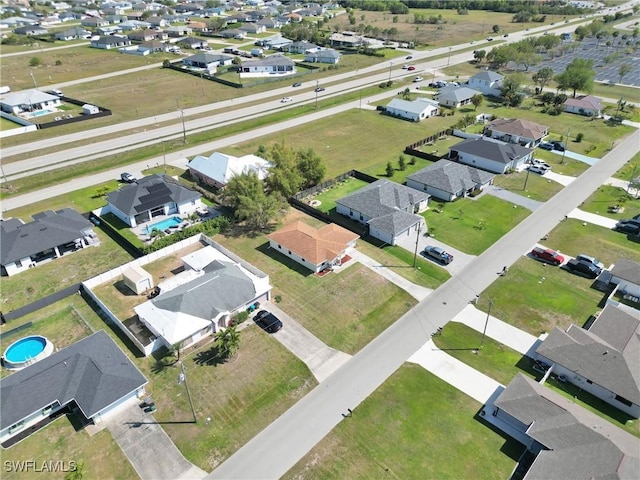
<point>44,466</point>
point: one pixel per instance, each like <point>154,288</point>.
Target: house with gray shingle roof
<point>202,299</point>
<point>414,110</point>
<point>73,33</point>
<point>49,236</point>
<point>447,180</point>
<point>388,209</point>
<point>206,61</point>
<point>603,360</point>
<point>490,154</point>
<point>90,379</point>
<point>566,440</point>
<point>109,42</point>
<point>324,55</point>
<point>487,82</point>
<point>455,97</point>
<point>149,197</point>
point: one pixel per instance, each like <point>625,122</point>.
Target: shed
<point>137,279</point>
<point>88,109</point>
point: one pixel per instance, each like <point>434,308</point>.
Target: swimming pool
<point>164,224</point>
<point>37,113</point>
<point>26,351</point>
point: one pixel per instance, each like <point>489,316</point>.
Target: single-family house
<point>264,67</point>
<point>217,169</point>
<point>199,27</point>
<point>317,249</point>
<point>110,30</point>
<point>346,39</point>
<point>207,61</point>
<point>154,46</point>
<point>455,97</point>
<point>489,154</point>
<point>114,41</point>
<point>14,22</point>
<point>90,380</point>
<point>204,298</point>
<point>158,22</point>
<point>28,101</point>
<point>145,35</point>
<point>624,277</point>
<point>134,25</point>
<point>49,236</point>
<point>487,82</point>
<point>113,20</point>
<point>301,46</point>
<point>387,209</point>
<point>94,22</point>
<point>233,33</point>
<point>269,22</point>
<point>253,28</point>
<point>516,130</point>
<point>277,42</point>
<point>324,55</point>
<point>564,439</point>
<point>447,180</point>
<point>193,43</point>
<point>30,30</point>
<point>414,110</point>
<point>152,196</point>
<point>73,33</point>
<point>584,105</point>
<point>602,360</point>
<point>179,31</point>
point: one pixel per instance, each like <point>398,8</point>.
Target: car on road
<point>547,255</point>
<point>418,79</point>
<point>411,67</point>
<point>505,35</point>
<point>559,146</point>
<point>489,39</point>
<point>320,89</point>
<point>405,67</point>
<point>438,254</point>
<point>127,178</point>
<point>538,169</point>
<point>589,259</point>
<point>267,321</point>
<point>546,146</point>
<point>584,269</point>
<point>297,84</point>
<point>408,57</point>
<point>286,100</point>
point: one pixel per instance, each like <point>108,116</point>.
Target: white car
<point>286,100</point>
<point>541,163</point>
<point>405,67</point>
<point>418,79</point>
<point>538,169</point>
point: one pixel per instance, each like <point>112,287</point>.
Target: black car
<point>297,84</point>
<point>267,321</point>
<point>583,268</point>
<point>408,57</point>
<point>559,146</point>
<point>319,89</point>
<point>628,226</point>
<point>546,146</point>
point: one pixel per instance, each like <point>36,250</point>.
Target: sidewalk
<point>577,156</point>
<point>592,218</point>
<point>512,197</point>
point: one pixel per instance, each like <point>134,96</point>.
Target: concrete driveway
<point>149,449</point>
<point>593,218</point>
<point>512,197</point>
<point>321,359</point>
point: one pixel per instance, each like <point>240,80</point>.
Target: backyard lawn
<point>472,225</point>
<point>406,429</point>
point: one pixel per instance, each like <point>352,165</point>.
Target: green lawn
<point>406,430</point>
<point>538,187</point>
<point>607,196</point>
<point>328,197</point>
<point>471,225</point>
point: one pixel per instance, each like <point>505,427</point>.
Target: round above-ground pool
<point>26,351</point>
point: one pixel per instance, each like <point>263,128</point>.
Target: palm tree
<point>228,341</point>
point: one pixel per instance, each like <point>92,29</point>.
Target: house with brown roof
<point>315,248</point>
<point>584,105</point>
<point>516,130</point>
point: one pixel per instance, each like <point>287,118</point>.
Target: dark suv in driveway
<point>267,321</point>
<point>583,268</point>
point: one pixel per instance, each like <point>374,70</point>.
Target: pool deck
<point>141,230</point>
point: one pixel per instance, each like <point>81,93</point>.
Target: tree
<point>310,167</point>
<point>547,97</point>
<point>228,341</point>
<point>543,76</point>
<point>511,86</point>
<point>402,165</point>
<point>577,76</point>
<point>284,176</point>
<point>623,70</point>
<point>246,196</point>
<point>390,170</point>
<point>35,61</point>
<point>166,64</point>
<point>477,100</point>
<point>495,28</point>
<point>479,55</point>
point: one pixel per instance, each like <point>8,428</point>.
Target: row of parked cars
<point>630,226</point>
<point>583,265</point>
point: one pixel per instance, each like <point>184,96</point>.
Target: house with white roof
<point>414,110</point>
<point>217,169</point>
<point>487,82</point>
<point>203,298</point>
<point>28,101</point>
<point>275,65</point>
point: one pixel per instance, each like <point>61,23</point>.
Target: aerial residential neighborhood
<point>300,240</point>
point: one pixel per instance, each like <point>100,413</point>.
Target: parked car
<point>538,169</point>
<point>589,259</point>
<point>411,67</point>
<point>127,178</point>
<point>546,146</point>
<point>297,84</point>
<point>267,321</point>
<point>583,268</point>
<point>547,255</point>
<point>559,146</point>
<point>628,226</point>
<point>286,100</point>
<point>438,254</point>
<point>320,89</point>
<point>56,92</point>
<point>438,84</point>
<point>418,79</point>
<point>540,163</point>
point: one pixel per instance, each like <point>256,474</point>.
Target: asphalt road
<point>271,453</point>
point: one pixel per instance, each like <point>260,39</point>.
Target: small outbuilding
<point>137,279</point>
<point>88,109</point>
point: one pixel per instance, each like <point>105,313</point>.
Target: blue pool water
<point>24,349</point>
<point>164,224</point>
<point>39,112</point>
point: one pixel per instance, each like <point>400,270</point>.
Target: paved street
<point>276,449</point>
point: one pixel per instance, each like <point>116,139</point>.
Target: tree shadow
<point>211,357</point>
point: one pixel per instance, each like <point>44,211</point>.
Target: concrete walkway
<point>149,449</point>
<point>563,180</point>
<point>592,218</point>
<point>512,197</point>
<point>321,359</point>
<point>577,156</point>
<point>416,291</point>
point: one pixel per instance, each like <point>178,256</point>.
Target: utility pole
<point>565,146</point>
<point>182,377</point>
<point>390,67</point>
<point>164,157</point>
<point>415,253</point>
<point>449,59</point>
<point>486,322</point>
<point>34,79</point>
<point>526,179</point>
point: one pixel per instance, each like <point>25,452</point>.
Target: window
<point>280,247</point>
<point>589,382</point>
<point>18,263</point>
<point>289,252</point>
<point>623,400</point>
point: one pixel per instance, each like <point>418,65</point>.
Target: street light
<point>449,59</point>
<point>565,147</point>
<point>164,157</point>
<point>317,86</point>
<point>415,253</point>
<point>390,67</point>
<point>184,130</point>
<point>486,322</point>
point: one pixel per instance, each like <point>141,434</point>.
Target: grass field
<point>405,429</point>
<point>538,188</point>
<point>607,196</point>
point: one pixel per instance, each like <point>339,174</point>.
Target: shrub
<point>278,298</point>
<point>579,137</point>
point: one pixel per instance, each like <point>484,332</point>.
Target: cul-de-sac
<point>353,239</point>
